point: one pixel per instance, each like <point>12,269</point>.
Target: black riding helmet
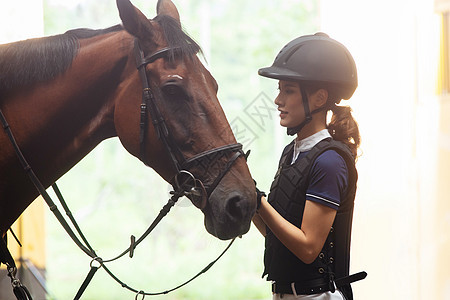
<point>316,60</point>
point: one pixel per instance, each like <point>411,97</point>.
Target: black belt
<point>315,286</point>
<point>311,287</point>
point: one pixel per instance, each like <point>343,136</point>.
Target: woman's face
<point>290,105</point>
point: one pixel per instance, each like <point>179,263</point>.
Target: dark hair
<point>343,127</point>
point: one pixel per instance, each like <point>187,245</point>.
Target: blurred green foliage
<point>113,195</point>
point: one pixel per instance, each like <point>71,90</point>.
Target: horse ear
<point>166,7</point>
<point>134,21</point>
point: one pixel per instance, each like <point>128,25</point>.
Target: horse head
<point>180,129</point>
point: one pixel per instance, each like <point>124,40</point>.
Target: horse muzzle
<point>230,217</point>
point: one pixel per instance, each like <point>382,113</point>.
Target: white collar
<point>308,143</point>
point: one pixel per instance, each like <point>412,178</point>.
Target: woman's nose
<point>278,100</point>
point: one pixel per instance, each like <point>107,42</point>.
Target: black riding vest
<point>288,197</point>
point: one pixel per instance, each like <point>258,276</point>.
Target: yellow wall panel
<point>30,230</point>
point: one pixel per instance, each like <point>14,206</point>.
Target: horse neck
<point>59,122</point>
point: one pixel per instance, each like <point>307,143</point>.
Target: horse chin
<point>224,231</point>
<point>230,218</point>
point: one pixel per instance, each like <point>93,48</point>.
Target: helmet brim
<point>279,73</point>
<point>275,72</point>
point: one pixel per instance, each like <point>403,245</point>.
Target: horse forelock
<point>176,37</point>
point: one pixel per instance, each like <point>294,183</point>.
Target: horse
<point>141,81</point>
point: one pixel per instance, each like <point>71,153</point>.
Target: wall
<point>401,217</point>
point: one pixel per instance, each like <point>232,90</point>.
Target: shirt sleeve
<point>328,180</point>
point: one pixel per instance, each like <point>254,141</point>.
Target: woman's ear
<point>320,98</point>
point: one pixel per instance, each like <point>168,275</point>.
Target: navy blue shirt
<point>328,179</point>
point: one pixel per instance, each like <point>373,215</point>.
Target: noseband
<point>184,179</point>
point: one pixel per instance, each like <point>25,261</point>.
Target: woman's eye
<point>289,91</point>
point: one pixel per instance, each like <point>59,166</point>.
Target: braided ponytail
<point>344,128</point>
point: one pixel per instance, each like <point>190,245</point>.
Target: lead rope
<point>37,183</point>
<point>143,293</point>
<point>22,293</point>
<point>164,211</point>
<point>19,290</point>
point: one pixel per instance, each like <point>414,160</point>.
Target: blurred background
<point>402,214</point>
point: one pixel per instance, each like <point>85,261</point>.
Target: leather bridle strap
<point>19,290</point>
<point>233,147</point>
<point>149,105</point>
<point>179,162</point>
<point>37,183</point>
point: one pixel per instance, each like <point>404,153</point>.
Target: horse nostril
<point>234,208</point>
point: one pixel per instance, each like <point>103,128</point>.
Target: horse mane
<point>27,62</point>
<point>35,60</point>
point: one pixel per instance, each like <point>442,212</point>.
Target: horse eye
<point>172,90</point>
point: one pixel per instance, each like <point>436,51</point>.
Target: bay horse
<point>62,95</point>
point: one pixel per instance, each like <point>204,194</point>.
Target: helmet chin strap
<point>308,114</point>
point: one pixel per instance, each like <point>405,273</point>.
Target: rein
<point>185,184</point>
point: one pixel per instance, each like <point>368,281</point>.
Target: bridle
<point>194,187</point>
<point>184,184</point>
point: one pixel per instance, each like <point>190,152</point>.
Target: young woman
<point>307,218</point>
